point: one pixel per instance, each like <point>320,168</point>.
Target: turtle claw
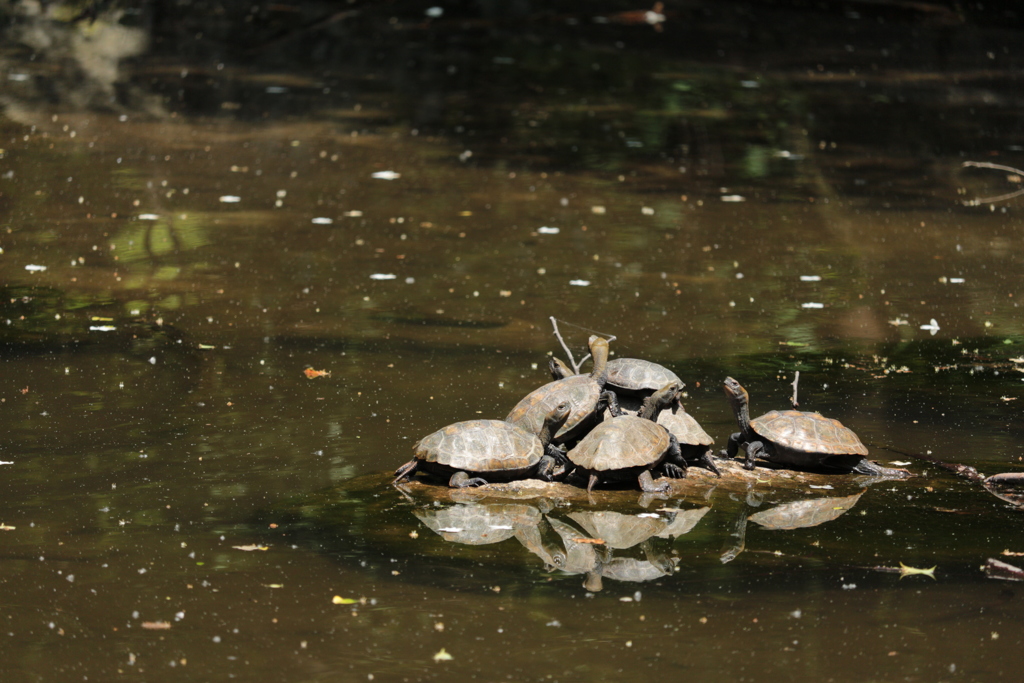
<point>673,470</point>
<point>461,480</point>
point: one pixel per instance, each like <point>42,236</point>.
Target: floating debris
<point>545,230</point>
<point>313,374</point>
<point>442,656</point>
<point>810,278</point>
<point>434,12</point>
<point>910,571</point>
<point>733,198</point>
<point>338,600</point>
<point>580,283</point>
<point>386,175</point>
<point>32,268</point>
<point>250,548</point>
<point>812,304</point>
<point>102,328</point>
<point>148,216</point>
<point>932,327</point>
<point>896,322</point>
<point>598,209</point>
<point>355,213</point>
<point>322,220</point>
<point>383,276</point>
<point>997,569</point>
<point>230,199</point>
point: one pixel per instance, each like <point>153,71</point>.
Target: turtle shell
<point>481,446</point>
<point>807,433</point>
<point>626,441</point>
<point>638,376</point>
<point>685,428</point>
<point>581,392</point>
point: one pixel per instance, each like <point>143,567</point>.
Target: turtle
<point>475,452</point>
<point>793,437</point>
<point>694,442</point>
<point>628,447</point>
<point>581,392</point>
<point>626,376</point>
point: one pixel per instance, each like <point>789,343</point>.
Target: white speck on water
<point>810,278</point>
<point>796,614</point>
<point>32,268</point>
<point>554,623</point>
<point>17,77</point>
<point>545,230</point>
<point>322,220</point>
<point>598,209</point>
<point>410,280</point>
<point>276,89</point>
<point>888,532</point>
<point>230,199</point>
<point>849,586</point>
<point>386,175</point>
<point>383,276</point>
<point>580,283</point>
<point>102,328</point>
<point>956,280</point>
<point>152,360</point>
<point>148,216</point>
<point>812,304</point>
<point>434,12</point>
<point>749,84</point>
<point>733,198</point>
<point>932,327</point>
<point>355,213</point>
<point>647,211</point>
<point>739,276</point>
<point>70,578</point>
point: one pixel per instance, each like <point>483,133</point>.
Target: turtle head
<point>559,414</point>
<point>739,400</point>
<point>558,369</point>
<point>599,350</point>
<point>660,400</point>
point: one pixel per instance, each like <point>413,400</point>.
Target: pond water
<point>199,206</point>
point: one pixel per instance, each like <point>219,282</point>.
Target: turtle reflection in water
<point>475,452</point>
<point>800,439</point>
<point>615,531</point>
<point>479,524</point>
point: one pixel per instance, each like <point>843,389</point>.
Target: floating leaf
<point>338,600</point>
<point>908,571</point>
<point>313,374</point>
<point>443,656</point>
<point>249,548</point>
<point>4,527</point>
<point>156,625</point>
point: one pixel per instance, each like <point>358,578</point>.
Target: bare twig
<point>997,167</point>
<point>576,366</point>
<point>796,381</point>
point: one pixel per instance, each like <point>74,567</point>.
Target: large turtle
<point>475,452</point>
<point>581,392</point>
<point>628,447</point>
<point>793,437</point>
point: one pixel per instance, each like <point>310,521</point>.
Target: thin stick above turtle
<point>800,439</point>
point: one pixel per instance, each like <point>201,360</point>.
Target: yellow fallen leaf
<point>907,571</point>
<point>442,656</point>
<point>338,600</point>
<point>4,527</point>
<point>248,548</point>
<point>274,585</point>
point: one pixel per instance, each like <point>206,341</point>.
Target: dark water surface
<point>191,220</point>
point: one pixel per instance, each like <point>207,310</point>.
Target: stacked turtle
<point>625,422</point>
<point>573,428</point>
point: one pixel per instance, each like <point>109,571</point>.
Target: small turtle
<point>581,392</point>
<point>694,442</point>
<point>475,452</point>
<point>628,447</point>
<point>626,376</point>
<point>801,439</point>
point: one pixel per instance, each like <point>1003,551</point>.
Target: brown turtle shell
<point>626,441</point>
<point>685,428</point>
<point>634,375</point>
<point>481,446</point>
<point>807,433</point>
<point>581,392</point>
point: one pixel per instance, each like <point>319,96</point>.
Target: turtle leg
<point>611,401</point>
<point>865,466</point>
<point>708,461</point>
<point>545,467</point>
<point>732,447</point>
<point>461,480</point>
<point>674,464</point>
<point>405,471</point>
<point>558,455</point>
<point>754,450</point>
<point>647,484</point>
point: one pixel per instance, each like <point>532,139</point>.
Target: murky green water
<point>403,202</point>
